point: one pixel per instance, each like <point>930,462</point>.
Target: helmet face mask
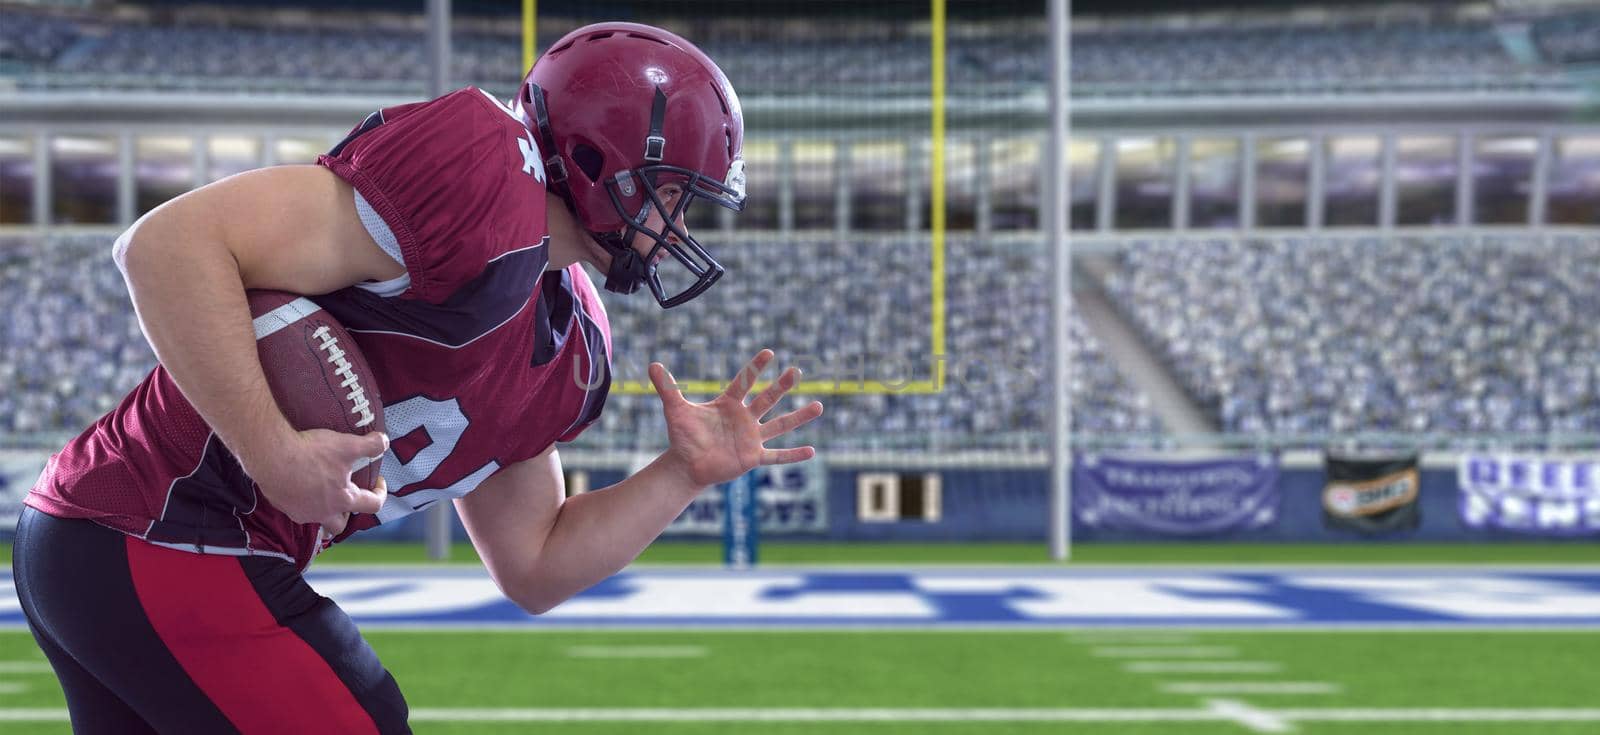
<point>629,268</point>
<point>611,147</point>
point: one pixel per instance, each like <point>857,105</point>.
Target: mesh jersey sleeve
<point>596,326</point>
<point>574,433</point>
<point>438,173</point>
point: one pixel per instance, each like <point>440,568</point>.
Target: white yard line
<point>1125,639</point>
<point>1441,714</point>
<point>1251,718</point>
<point>816,715</point>
<point>1202,667</point>
<point>1260,719</point>
<point>557,627</point>
<point>13,687</point>
<point>1165,652</point>
<point>32,714</point>
<point>1250,687</point>
<point>26,667</point>
<point>636,652</point>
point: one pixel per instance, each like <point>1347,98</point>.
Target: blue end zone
<point>978,598</point>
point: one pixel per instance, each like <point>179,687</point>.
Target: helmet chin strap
<point>629,270</point>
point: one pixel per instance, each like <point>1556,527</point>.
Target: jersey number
<point>445,423</point>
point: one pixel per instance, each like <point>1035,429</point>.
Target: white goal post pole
<point>1057,214</point>
<point>439,518</point>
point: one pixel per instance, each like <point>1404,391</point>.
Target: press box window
<point>230,155</point>
<point>83,180</point>
<point>1282,179</point>
<point>576,481</point>
<point>883,497</point>
<point>1084,164</point>
<point>163,168</point>
<point>16,181</point>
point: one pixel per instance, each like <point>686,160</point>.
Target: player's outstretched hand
<point>723,438</point>
<point>309,479</point>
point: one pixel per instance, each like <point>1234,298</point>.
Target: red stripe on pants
<point>260,674</point>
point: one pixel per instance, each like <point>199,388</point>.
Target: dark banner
<point>787,499</point>
<point>1371,494</point>
<point>1175,497</point>
<point>1542,496</point>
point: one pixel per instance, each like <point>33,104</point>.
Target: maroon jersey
<point>483,358</point>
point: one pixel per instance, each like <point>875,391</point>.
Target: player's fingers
<point>666,386</point>
<point>766,399</point>
<point>358,500</point>
<point>366,449</point>
<point>787,456</point>
<point>790,421</point>
<point>747,375</point>
<point>334,525</point>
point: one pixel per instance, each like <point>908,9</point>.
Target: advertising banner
<point>1544,496</point>
<point>1175,497</point>
<point>1371,494</point>
<point>789,499</point>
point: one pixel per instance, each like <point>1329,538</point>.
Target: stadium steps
<point>1517,40</point>
<point>1120,341</point>
<point>83,48</point>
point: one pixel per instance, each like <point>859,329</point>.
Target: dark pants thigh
<point>146,638</point>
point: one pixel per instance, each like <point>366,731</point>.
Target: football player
<point>159,560</point>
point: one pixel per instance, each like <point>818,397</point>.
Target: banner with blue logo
<point>788,499</point>
<point>741,528</point>
<point>1544,496</point>
<point>1175,497</point>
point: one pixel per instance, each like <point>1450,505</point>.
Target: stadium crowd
<point>1295,334</point>
<point>47,50</point>
<point>72,346</point>
<point>29,38</point>
<point>873,321</point>
<point>1390,58</point>
<point>69,344</point>
<point>1572,38</point>
<point>1306,334</point>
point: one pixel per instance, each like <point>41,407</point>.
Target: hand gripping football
<point>317,374</point>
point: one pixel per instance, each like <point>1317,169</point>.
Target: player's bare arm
<point>542,551</point>
<point>188,263</point>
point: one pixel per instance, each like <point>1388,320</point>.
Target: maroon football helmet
<point>623,109</point>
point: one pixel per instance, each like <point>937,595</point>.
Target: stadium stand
<point>1363,57</point>
<point>74,347</point>
<point>1296,334</point>
<point>1303,334</point>
<point>1496,337</point>
<point>1572,38</point>
<point>876,313</point>
<point>30,39</point>
<point>71,347</point>
<point>1348,59</point>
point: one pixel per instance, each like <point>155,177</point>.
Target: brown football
<point>317,374</point>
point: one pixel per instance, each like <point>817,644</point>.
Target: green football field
<point>1131,681</point>
<point>947,682</point>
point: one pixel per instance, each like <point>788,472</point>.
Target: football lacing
<point>343,368</point>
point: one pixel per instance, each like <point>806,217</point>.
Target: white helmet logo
<point>735,180</point>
